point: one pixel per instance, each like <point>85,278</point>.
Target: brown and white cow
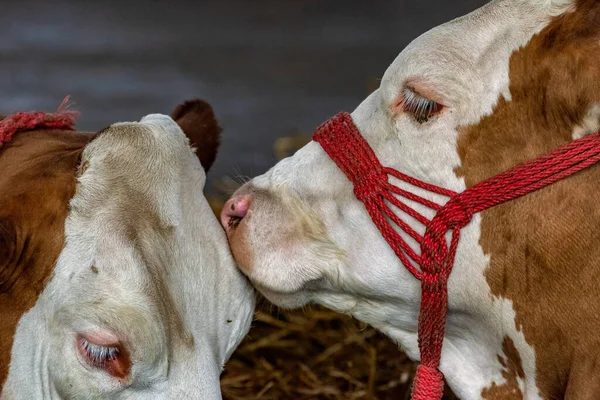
<point>469,99</point>
<point>116,280</point>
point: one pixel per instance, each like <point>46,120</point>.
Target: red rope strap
<point>63,118</point>
<point>342,141</point>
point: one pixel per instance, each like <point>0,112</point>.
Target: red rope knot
<point>372,185</point>
<point>428,384</point>
<point>456,213</point>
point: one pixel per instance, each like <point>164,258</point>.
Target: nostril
<point>234,210</point>
<point>239,206</point>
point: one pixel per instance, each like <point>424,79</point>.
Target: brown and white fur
<point>108,237</point>
<point>513,80</point>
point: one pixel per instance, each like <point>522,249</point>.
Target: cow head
<point>463,102</point>
<point>115,268</point>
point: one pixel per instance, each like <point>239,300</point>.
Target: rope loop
<point>457,213</point>
<point>371,186</point>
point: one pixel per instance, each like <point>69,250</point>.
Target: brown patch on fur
<point>544,247</point>
<point>512,369</point>
<point>36,184</point>
<point>197,119</point>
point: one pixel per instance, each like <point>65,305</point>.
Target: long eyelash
<point>420,107</point>
<point>99,355</point>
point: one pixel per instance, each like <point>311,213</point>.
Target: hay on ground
<point>316,354</point>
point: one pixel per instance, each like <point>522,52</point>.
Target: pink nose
<point>234,210</point>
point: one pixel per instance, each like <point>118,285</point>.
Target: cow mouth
<point>231,225</point>
<point>234,222</point>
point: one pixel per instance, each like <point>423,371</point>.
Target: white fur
<point>136,170</point>
<point>466,62</point>
<point>590,124</point>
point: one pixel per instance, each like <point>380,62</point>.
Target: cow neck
<point>342,141</point>
<point>63,119</point>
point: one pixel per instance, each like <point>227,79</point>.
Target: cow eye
<point>111,358</point>
<point>98,355</point>
<point>418,106</point>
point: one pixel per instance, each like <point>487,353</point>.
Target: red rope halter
<point>63,118</point>
<point>342,141</point>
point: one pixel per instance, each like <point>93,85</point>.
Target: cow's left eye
<point>98,355</point>
<point>111,358</point>
<point>421,108</point>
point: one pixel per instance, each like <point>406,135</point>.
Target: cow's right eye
<point>111,358</point>
<point>420,107</point>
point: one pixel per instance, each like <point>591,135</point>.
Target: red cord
<point>342,141</point>
<point>21,121</point>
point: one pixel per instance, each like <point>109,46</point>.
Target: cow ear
<point>197,119</point>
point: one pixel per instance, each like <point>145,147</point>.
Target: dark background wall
<point>269,67</point>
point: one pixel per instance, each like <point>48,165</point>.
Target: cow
<point>463,102</point>
<point>116,280</point>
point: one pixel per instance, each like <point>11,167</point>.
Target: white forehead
<point>128,204</point>
<point>467,59</point>
<point>141,167</point>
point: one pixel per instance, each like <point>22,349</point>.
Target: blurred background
<point>273,71</point>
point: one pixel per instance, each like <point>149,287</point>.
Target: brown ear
<point>197,119</point>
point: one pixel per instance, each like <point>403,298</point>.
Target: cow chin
<point>283,248</point>
<point>285,300</point>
